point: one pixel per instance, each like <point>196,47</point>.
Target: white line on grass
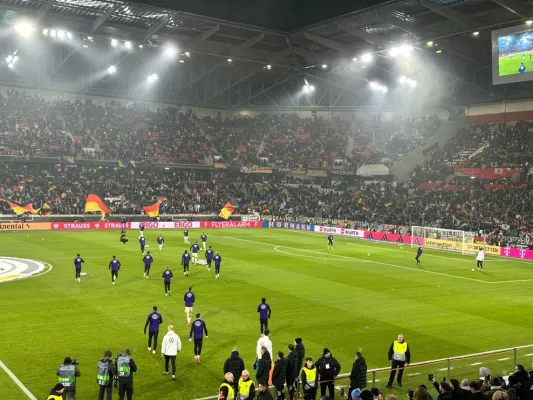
<point>414,374</point>
<point>476,363</point>
<point>444,369</point>
<point>529,355</point>
<point>17,381</point>
<point>503,359</point>
<point>373,262</point>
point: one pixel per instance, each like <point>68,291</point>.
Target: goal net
<point>445,239</point>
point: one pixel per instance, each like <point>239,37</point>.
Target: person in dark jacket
<point>358,374</point>
<point>300,349</point>
<point>475,389</point>
<point>444,390</point>
<point>235,365</point>
<point>457,392</point>
<point>264,366</point>
<point>292,370</point>
<point>263,392</point>
<point>280,374</point>
<point>107,390</point>
<point>125,368</point>
<point>328,369</point>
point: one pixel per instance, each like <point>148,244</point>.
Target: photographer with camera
<point>67,374</point>
<point>444,389</point>
<point>105,373</point>
<point>125,368</point>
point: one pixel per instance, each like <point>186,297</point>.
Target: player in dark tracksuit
<point>209,254</point>
<point>217,259</point>
<point>154,320</point>
<point>185,260</point>
<point>167,276</point>
<point>142,242</point>
<point>148,260</point>
<point>197,329</point>
<point>264,311</point>
<point>77,264</point>
<point>418,254</point>
<point>114,266</point>
<point>330,242</point>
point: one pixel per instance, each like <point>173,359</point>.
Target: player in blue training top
<point>154,320</point>
<point>142,242</point>
<point>418,254</point>
<point>186,236</point>
<point>330,242</point>
<point>522,68</point>
<point>114,266</point>
<point>189,299</point>
<point>209,257</point>
<point>141,229</point>
<point>198,328</point>
<point>148,260</point>
<point>264,311</point>
<point>167,276</point>
<point>185,260</point>
<point>218,260</point>
<point>203,238</point>
<point>77,264</point>
<point>194,250</point>
<point>160,242</point>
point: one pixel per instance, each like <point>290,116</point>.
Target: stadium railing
<point>500,362</point>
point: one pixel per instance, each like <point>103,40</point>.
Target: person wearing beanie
<point>235,365</point>
<point>328,368</point>
<point>355,394</point>
<point>280,374</point>
<point>57,392</point>
<point>358,373</point>
<point>300,350</point>
<point>105,371</point>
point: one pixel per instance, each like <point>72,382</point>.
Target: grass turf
<point>510,66</point>
<point>359,296</point>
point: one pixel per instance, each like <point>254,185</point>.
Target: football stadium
<point>266,200</point>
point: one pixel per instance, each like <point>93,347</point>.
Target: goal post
<point>445,239</point>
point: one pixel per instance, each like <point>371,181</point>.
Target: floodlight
<point>430,43</point>
<point>170,51</point>
<point>324,66</point>
<point>306,89</point>
<point>182,61</point>
<point>141,46</point>
<point>127,44</point>
<point>61,34</point>
<point>187,54</point>
<point>402,79</point>
<point>53,33</point>
<point>152,78</point>
<point>476,33</point>
<point>112,69</point>
<point>45,32</point>
<point>439,51</point>
<point>311,88</point>
<point>90,38</point>
<point>69,35</point>
<point>269,66</point>
<point>354,59</point>
<point>114,42</point>
<point>230,60</point>
<point>24,29</point>
<point>529,22</point>
<point>384,89</point>
<point>367,57</point>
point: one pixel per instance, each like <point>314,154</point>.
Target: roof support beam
<point>451,14</point>
<point>102,18</point>
<point>264,90</point>
<point>374,39</point>
<point>515,7</point>
<point>328,43</point>
<point>154,28</point>
<point>238,49</point>
<point>202,37</point>
<point>44,10</point>
<point>309,55</point>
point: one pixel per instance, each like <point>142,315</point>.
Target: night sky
<point>283,15</point>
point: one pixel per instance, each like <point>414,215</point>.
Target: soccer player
<point>148,260</point>
<point>154,320</point>
<point>209,257</point>
<point>194,250</point>
<point>185,260</point>
<point>522,68</point>
<point>198,328</point>
<point>264,311</point>
<point>114,266</point>
<point>203,238</point>
<point>141,228</point>
<point>330,242</point>
<point>142,242</point>
<point>218,260</point>
<point>167,276</point>
<point>480,258</point>
<point>77,264</point>
<point>189,299</point>
<point>418,254</point>
<point>160,242</point>
<point>186,236</point>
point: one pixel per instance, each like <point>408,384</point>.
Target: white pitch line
<point>477,363</point>
<point>503,359</point>
<point>414,374</point>
<point>529,355</point>
<point>17,381</point>
<point>444,369</point>
<point>363,260</point>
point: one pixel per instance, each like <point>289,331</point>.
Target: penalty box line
<point>17,381</point>
<point>378,262</point>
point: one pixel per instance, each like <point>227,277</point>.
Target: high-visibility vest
<point>67,375</point>
<point>54,397</point>
<point>399,350</point>
<point>231,391</point>
<point>310,376</point>
<point>244,388</point>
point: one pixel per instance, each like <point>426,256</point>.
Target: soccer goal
<point>446,239</point>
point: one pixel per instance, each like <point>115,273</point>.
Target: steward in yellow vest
<point>399,356</point>
<point>246,387</point>
<point>309,377</point>
<point>226,391</point>
<point>57,392</point>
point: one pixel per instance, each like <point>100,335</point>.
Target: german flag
<point>388,204</point>
<point>152,210</point>
<point>366,208</point>
<point>226,211</point>
<point>46,209</point>
<point>94,203</point>
<point>19,209</point>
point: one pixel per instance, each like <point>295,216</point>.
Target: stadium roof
<point>290,45</point>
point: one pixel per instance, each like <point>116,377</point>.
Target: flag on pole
<point>152,210</point>
<point>226,211</point>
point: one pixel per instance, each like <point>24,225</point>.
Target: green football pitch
<point>359,296</point>
<point>510,66</point>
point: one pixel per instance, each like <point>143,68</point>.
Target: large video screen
<point>512,55</point>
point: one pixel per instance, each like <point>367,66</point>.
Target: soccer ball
<point>473,269</point>
<point>146,246</point>
<point>368,254</point>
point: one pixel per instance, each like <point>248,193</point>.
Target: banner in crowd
<point>342,172</point>
<point>516,253</point>
<point>256,170</point>
<point>86,226</point>
<point>66,160</point>
<point>339,231</point>
<point>219,165</point>
<point>443,244</point>
<point>298,226</point>
<point>391,237</point>
<point>488,173</point>
<point>231,224</point>
<point>317,172</point>
<point>166,224</point>
<point>24,226</point>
